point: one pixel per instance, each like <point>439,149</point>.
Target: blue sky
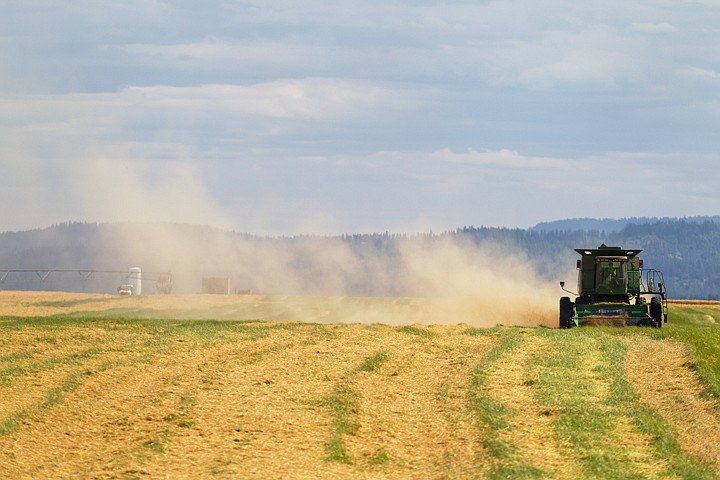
<point>285,117</point>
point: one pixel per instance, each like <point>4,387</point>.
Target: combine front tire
<point>656,311</point>
<point>567,312</point>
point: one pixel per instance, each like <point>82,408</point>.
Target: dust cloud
<point>488,285</point>
<point>422,279</point>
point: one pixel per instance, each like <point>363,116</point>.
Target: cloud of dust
<point>415,279</point>
<point>407,280</point>
<point>479,285</point>
<point>125,189</point>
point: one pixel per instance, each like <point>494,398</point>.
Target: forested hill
<point>687,251</point>
<point>612,224</point>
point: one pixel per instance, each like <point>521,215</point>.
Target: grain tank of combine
<point>614,289</point>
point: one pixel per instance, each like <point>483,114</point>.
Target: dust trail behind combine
<point>454,279</point>
<point>482,286</point>
<point>282,308</point>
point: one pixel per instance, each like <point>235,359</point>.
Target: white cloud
<point>122,116</point>
<point>505,158</point>
<point>662,27</point>
<point>249,53</point>
<point>712,3</point>
<point>312,98</point>
<point>412,111</point>
<point>514,43</point>
<point>593,58</point>
<point>703,73</point>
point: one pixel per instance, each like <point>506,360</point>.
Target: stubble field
<point>95,386</point>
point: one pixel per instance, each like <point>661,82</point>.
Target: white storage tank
<point>135,279</point>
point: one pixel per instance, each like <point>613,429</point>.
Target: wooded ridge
<point>686,250</point>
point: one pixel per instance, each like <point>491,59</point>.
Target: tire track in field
<point>658,370</point>
<point>205,435</point>
<point>114,422</point>
<point>119,409</point>
<point>616,444</point>
<point>530,424</point>
<point>589,430</point>
<point>25,380</point>
<point>25,392</point>
<point>414,414</point>
<point>264,417</point>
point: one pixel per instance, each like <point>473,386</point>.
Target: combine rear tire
<point>656,311</point>
<point>567,312</point>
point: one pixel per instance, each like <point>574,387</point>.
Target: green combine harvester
<point>614,289</point>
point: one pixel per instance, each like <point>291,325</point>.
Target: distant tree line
<point>687,251</point>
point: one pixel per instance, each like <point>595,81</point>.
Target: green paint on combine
<point>614,289</point>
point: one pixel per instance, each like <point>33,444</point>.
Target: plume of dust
<point>481,286</point>
<point>424,280</point>
<point>417,279</point>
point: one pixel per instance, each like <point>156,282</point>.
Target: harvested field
<point>152,387</point>
<point>674,391</point>
<point>531,423</point>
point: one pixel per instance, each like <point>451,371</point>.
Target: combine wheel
<point>656,311</point>
<point>567,312</point>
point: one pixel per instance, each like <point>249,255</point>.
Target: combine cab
<point>614,289</point>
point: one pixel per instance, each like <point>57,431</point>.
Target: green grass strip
<point>571,379</point>
<point>52,398</point>
<point>34,367</point>
<point>493,414</point>
<point>703,338</point>
<point>699,328</point>
<point>145,337</point>
<point>134,335</point>
<point>488,411</point>
<point>420,332</point>
<point>372,363</point>
<point>587,422</point>
<point>12,422</point>
<point>664,437</point>
<point>157,442</point>
<point>15,357</point>
<point>73,303</point>
<point>665,443</point>
<point>344,406</point>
